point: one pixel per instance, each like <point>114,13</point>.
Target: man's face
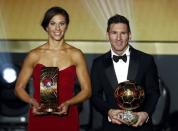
<point>119,36</point>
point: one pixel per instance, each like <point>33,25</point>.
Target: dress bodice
<point>66,82</point>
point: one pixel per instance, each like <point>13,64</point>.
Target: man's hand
<point>142,118</point>
<point>113,116</point>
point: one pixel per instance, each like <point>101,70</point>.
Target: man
<point>108,70</point>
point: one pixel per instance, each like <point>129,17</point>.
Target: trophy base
<point>128,117</point>
<point>44,110</point>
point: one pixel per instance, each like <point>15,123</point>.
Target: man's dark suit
<point>142,69</point>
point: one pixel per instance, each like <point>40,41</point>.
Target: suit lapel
<point>133,65</point>
<point>109,70</point>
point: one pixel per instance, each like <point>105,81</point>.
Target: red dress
<point>69,122</point>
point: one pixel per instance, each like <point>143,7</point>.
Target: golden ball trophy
<point>129,96</point>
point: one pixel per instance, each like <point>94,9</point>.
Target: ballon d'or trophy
<point>129,96</point>
<point>48,90</point>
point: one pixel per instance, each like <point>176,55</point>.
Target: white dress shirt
<point>121,67</point>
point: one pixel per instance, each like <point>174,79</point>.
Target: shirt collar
<point>127,52</point>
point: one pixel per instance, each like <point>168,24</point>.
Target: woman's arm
<point>83,77</point>
<point>23,78</point>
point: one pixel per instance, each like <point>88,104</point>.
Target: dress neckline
<point>62,69</point>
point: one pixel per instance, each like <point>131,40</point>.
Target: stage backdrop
<point>151,20</point>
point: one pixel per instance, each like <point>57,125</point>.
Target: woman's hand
<point>63,109</point>
<point>35,105</point>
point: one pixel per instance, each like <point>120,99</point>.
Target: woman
<point>71,63</point>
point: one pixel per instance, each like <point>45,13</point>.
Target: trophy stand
<point>128,117</point>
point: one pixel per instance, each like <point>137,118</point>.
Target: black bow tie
<point>117,58</point>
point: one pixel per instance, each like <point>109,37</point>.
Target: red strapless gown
<point>53,122</point>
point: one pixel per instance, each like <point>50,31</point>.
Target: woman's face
<point>57,27</point>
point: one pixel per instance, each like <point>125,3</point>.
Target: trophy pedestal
<point>47,109</point>
<point>128,117</point>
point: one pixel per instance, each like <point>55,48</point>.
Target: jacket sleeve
<point>97,98</point>
<point>151,87</point>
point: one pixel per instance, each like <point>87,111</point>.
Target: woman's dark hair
<point>50,13</point>
<point>118,19</point>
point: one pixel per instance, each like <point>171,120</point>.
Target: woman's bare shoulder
<point>36,51</point>
<point>76,55</point>
<point>34,55</point>
<point>75,52</point>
